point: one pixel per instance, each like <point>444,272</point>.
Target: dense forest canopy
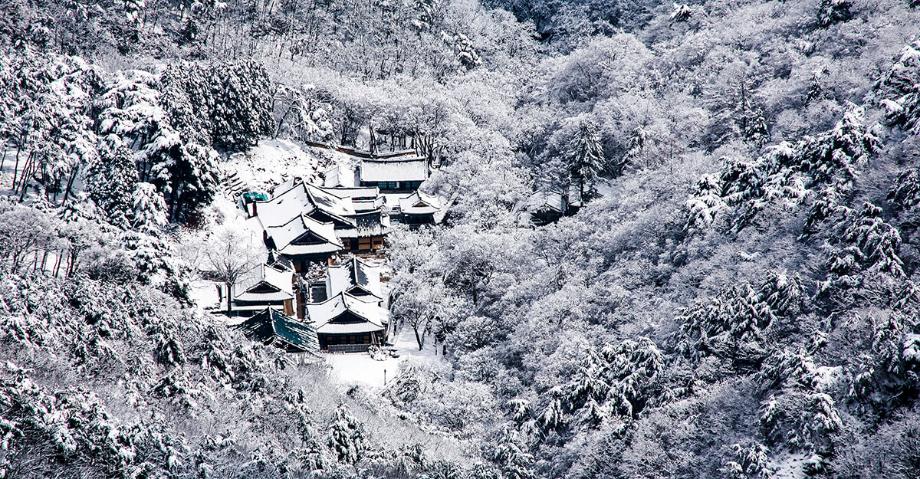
<point>732,294</point>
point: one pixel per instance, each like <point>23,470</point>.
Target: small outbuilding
<point>420,208</point>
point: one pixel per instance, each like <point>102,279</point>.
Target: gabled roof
<point>278,285</point>
<point>363,199</point>
<point>546,200</point>
<point>395,169</point>
<point>272,327</point>
<point>339,175</point>
<point>283,206</point>
<point>354,274</point>
<point>419,203</point>
<point>330,202</point>
<point>302,198</point>
<point>370,223</point>
<point>356,193</point>
<point>304,235</point>
<point>323,315</point>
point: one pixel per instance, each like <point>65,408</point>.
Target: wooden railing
<point>348,348</point>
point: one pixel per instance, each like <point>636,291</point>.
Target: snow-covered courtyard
<point>359,369</point>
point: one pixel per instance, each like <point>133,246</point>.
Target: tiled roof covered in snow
<point>303,236</point>
<point>323,315</point>
<point>419,203</point>
<point>279,285</point>
<point>353,274</point>
<point>302,198</point>
<point>396,169</point>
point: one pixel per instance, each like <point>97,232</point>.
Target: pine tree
<point>111,181</point>
<point>586,158</point>
<point>905,194</point>
<point>729,325</point>
<point>748,462</point>
<point>512,457</point>
<point>835,157</point>
<point>148,212</point>
<point>347,437</point>
<point>186,174</point>
<point>705,204</point>
<point>632,373</point>
<point>227,104</point>
<point>749,118</point>
<point>815,90</point>
<point>899,91</point>
<point>551,418</point>
<point>833,11</point>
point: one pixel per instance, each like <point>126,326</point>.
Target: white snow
<point>359,369</point>
<point>270,163</point>
<point>912,348</point>
<point>789,466</point>
<point>204,294</point>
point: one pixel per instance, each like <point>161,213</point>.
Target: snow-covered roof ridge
<point>354,273</point>
<point>282,281</point>
<point>420,203</point>
<point>284,236</point>
<point>303,198</point>
<point>330,203</point>
<point>323,314</point>
<point>272,327</point>
<point>284,206</point>
<point>394,169</point>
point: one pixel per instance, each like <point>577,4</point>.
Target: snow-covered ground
<point>350,369</point>
<point>204,294</point>
<point>8,170</point>
<point>270,163</point>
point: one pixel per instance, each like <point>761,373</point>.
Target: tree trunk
<point>73,176</point>
<point>419,339</point>
<point>57,263</point>
<point>229,298</point>
<point>2,158</point>
<point>16,167</point>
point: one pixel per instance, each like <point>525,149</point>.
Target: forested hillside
<point>729,289</point>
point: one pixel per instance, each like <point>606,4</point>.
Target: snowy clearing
<point>268,164</point>
<point>359,369</point>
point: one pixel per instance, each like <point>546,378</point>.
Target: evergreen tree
<point>899,89</point>
<point>815,91</point>
<point>148,213</point>
<point>111,181</point>
<point>748,462</point>
<point>551,418</point>
<point>512,457</point>
<point>186,174</point>
<point>905,194</point>
<point>347,437</point>
<point>227,104</point>
<point>749,118</point>
<point>833,11</point>
<point>586,158</point>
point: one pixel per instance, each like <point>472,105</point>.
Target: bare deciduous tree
<point>231,253</point>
